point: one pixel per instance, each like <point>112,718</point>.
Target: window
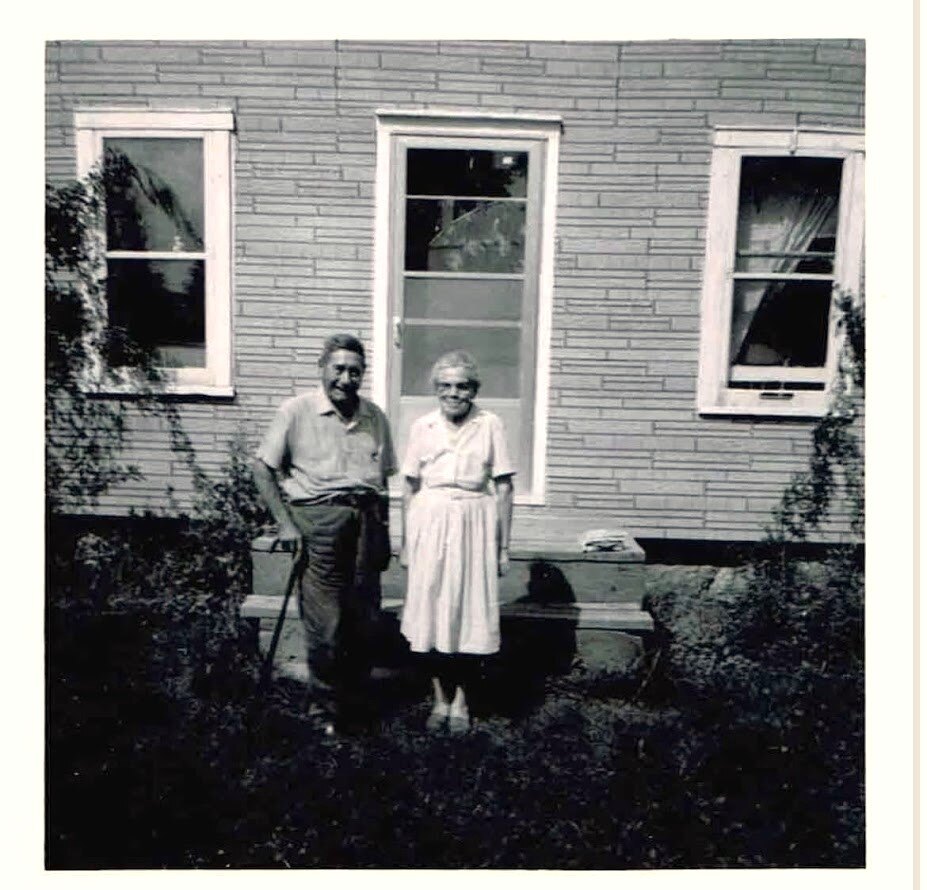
<point>785,232</point>
<point>167,238</point>
<point>464,261</point>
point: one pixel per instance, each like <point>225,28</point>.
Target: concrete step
<point>555,605</point>
<point>563,577</point>
<point>604,616</point>
<point>602,635</point>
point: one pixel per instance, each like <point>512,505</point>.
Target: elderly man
<point>322,469</point>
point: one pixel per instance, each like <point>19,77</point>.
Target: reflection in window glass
<point>464,236</point>
<point>466,173</point>
<point>496,351</point>
<point>154,194</point>
<point>787,214</point>
<point>782,323</point>
<point>464,298</point>
<point>160,304</point>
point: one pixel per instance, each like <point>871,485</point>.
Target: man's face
<point>342,374</point>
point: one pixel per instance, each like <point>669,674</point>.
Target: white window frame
<point>215,128</point>
<point>715,396</point>
<point>427,123</point>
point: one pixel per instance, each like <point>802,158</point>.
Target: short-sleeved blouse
<point>466,459</point>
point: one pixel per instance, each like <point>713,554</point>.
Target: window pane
<point>464,236</point>
<point>154,194</point>
<point>161,304</point>
<point>787,214</point>
<point>780,323</point>
<point>463,172</point>
<point>496,350</point>
<point>465,298</point>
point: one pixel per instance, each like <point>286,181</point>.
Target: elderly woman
<point>457,515</point>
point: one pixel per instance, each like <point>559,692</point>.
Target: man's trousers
<point>339,601</point>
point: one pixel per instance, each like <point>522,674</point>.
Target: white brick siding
<point>625,441</point>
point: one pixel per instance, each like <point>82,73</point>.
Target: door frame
<point>432,123</point>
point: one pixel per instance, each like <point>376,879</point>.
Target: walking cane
<point>267,667</point>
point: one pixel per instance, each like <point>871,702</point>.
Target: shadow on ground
<point>509,684</point>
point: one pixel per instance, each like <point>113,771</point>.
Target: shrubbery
<point>191,580</point>
<point>771,654</point>
<point>193,577</point>
<point>771,677</point>
<point>760,638</point>
<point>84,435</point>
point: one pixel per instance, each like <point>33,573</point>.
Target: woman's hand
<point>503,561</point>
<point>404,557</point>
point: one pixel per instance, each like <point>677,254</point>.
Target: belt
<point>452,493</point>
<point>356,499</point>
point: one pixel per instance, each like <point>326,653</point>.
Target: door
<point>464,253</point>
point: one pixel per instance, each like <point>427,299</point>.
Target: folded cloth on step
<point>604,539</point>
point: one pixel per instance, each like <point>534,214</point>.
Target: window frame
<point>715,396</point>
<point>417,127</point>
<point>214,127</point>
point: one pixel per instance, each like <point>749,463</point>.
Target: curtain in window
<point>800,220</point>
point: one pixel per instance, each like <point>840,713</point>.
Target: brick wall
<point>625,442</point>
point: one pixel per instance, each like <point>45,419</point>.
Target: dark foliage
<point>836,446</point>
<point>84,431</point>
<point>780,679</point>
<point>147,773</point>
<point>162,755</point>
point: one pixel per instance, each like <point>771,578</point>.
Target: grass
<point>157,760</point>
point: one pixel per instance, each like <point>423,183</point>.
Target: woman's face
<point>455,393</point>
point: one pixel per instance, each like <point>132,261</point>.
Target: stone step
<point>562,577</point>
<point>603,616</point>
<point>602,635</point>
<point>555,604</point>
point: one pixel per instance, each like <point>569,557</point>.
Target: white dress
<point>452,601</point>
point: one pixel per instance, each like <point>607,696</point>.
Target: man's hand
<point>290,537</point>
<point>265,479</point>
<point>503,561</point>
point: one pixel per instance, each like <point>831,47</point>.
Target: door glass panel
<point>467,172</point>
<point>464,298</point>
<point>154,194</point>
<point>783,323</point>
<point>787,214</point>
<point>444,235</point>
<point>496,351</point>
<point>462,250</point>
<point>160,304</point>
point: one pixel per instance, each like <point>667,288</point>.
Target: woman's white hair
<point>458,360</point>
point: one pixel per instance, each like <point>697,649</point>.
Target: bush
<point>770,673</point>
<point>84,432</point>
<point>188,582</point>
<point>836,447</point>
<point>581,782</point>
<point>747,638</point>
<point>778,646</point>
<point>195,577</point>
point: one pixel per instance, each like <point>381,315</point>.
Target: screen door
<point>464,253</point>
